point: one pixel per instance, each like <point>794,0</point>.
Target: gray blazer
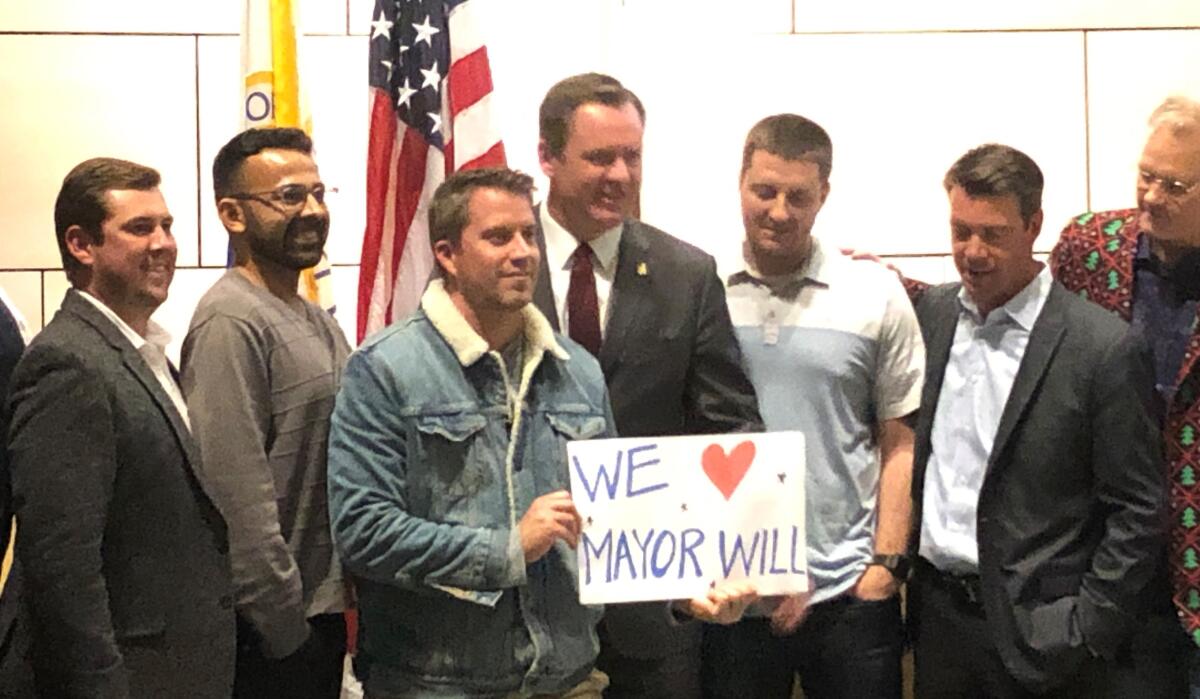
<point>673,367</point>
<point>125,557</point>
<point>1072,513</point>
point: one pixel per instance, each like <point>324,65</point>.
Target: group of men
<point>998,442</point>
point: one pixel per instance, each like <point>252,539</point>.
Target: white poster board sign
<point>670,517</point>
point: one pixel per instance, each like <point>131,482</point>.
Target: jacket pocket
<point>567,427</point>
<point>453,463</point>
<point>576,426</point>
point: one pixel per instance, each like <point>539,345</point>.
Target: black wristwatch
<point>898,564</point>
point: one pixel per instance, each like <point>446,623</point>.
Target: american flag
<point>430,116</point>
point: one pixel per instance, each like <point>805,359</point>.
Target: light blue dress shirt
<point>984,359</point>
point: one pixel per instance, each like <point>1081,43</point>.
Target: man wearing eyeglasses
<point>1144,265</point>
<point>261,366</point>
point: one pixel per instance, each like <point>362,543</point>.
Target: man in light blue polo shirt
<point>834,350</point>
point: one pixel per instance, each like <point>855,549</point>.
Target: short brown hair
<point>449,209</point>
<point>81,202</point>
<point>569,94</point>
<point>994,170</point>
<point>791,137</point>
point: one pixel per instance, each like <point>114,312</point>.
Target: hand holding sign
<point>551,516</point>
<point>724,604</point>
<point>677,518</point>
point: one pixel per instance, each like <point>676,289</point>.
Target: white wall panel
<point>24,289</point>
<point>1129,74</point>
<point>705,16</point>
<point>54,287</point>
<point>335,80</point>
<point>75,97</point>
<point>934,15</point>
<point>154,16</point>
<point>899,108</point>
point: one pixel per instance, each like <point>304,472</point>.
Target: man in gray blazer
<point>652,309</point>
<point>125,557</point>
<point>1038,476</point>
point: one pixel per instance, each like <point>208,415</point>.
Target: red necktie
<point>583,306</point>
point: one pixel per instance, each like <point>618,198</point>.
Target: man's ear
<point>232,215</point>
<point>1035,225</point>
<point>545,158</point>
<point>443,253</point>
<point>79,244</point>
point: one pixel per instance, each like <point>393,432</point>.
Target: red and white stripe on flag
<point>404,168</point>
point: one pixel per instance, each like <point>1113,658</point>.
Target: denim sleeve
<point>375,533</point>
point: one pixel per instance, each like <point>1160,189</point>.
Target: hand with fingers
<point>551,517</point>
<point>724,604</point>
<point>789,613</point>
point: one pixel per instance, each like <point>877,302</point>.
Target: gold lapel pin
<point>642,270</point>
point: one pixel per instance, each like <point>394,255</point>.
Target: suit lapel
<point>629,299</point>
<point>1044,340</point>
<point>543,292</point>
<point>137,366</point>
<point>942,316</point>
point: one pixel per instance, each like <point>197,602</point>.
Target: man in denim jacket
<point>448,480</point>
<point>447,473</point>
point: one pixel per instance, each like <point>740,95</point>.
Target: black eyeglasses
<point>289,196</point>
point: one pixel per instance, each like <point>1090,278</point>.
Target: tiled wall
<point>903,88</point>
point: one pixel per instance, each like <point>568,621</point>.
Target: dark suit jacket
<point>673,367</point>
<point>1072,512</point>
<point>125,558</point>
<point>15,675</point>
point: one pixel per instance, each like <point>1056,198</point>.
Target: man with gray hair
<point>1144,264</point>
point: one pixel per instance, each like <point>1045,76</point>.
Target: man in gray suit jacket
<point>1038,476</point>
<point>652,309</point>
<point>125,557</point>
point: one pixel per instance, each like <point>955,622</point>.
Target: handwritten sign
<point>670,517</point>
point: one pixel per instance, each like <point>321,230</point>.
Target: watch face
<point>895,563</point>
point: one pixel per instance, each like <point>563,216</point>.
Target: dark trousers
<point>312,672</point>
<point>955,654</point>
<point>847,647</point>
<point>675,675</point>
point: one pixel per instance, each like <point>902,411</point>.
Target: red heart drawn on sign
<point>726,471</point>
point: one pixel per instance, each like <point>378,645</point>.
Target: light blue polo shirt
<point>832,350</point>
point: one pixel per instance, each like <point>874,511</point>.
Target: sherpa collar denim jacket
<point>431,466</point>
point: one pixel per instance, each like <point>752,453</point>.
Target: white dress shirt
<point>984,359</point>
<point>560,246</point>
<point>153,348</point>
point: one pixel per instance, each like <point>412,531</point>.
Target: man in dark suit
<point>652,309</point>
<point>1038,470</point>
<point>15,677</point>
<point>125,557</point>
